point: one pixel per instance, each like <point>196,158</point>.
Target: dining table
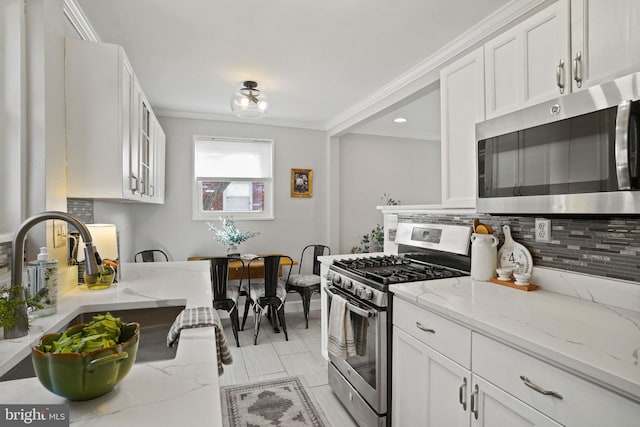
<point>239,267</point>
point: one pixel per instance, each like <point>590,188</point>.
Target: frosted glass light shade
<point>104,239</point>
<point>249,102</point>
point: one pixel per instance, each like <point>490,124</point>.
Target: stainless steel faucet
<point>93,263</point>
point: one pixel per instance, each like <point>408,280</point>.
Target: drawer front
<point>582,402</point>
<point>444,336</point>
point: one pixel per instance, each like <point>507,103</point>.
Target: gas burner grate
<point>390,269</point>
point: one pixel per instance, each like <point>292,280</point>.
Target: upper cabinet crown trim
<point>418,77</point>
<point>79,21</point>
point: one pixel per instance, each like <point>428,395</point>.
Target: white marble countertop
<point>593,340</point>
<point>181,391</point>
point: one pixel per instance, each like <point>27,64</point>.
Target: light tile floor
<point>273,357</point>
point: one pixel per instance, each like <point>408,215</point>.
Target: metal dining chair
<point>307,284</point>
<point>268,295</point>
<point>150,255</point>
<point>225,294</point>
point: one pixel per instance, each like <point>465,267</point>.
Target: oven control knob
<point>347,284</point>
<point>366,294</point>
<point>329,276</point>
<point>360,291</point>
<point>337,279</point>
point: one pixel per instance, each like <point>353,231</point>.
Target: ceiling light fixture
<point>399,120</point>
<point>249,102</point>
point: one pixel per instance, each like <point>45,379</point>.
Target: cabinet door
<point>128,127</point>
<point>429,389</point>
<point>145,151</point>
<point>134,147</point>
<point>492,407</point>
<point>504,73</point>
<point>605,40</point>
<point>158,161</point>
<point>545,38</point>
<point>462,103</point>
<point>528,63</point>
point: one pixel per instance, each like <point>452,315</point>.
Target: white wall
<point>407,169</point>
<point>298,221</point>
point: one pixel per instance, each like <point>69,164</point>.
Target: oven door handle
<point>354,308</point>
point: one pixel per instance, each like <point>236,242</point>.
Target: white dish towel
<point>341,343</point>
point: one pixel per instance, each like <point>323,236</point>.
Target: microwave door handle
<point>622,145</point>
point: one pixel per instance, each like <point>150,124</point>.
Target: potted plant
<point>371,242</point>
<point>229,235</point>
<point>12,308</point>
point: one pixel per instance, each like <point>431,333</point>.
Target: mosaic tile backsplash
<point>83,208</point>
<point>606,247</point>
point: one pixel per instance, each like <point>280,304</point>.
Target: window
<point>232,177</point>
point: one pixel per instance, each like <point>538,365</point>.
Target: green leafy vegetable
<point>103,331</point>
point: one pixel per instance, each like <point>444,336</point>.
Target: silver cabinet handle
<point>559,76</point>
<point>474,402</point>
<point>539,389</point>
<point>133,183</point>
<point>577,65</point>
<point>461,394</point>
<point>422,328</point>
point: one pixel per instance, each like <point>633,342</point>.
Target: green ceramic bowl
<point>84,376</point>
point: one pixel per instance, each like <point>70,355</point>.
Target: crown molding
<point>476,34</point>
<point>422,136</point>
<point>79,21</point>
<point>195,115</point>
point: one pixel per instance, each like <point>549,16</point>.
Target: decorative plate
<point>514,255</point>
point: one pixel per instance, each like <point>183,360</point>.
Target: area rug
<point>284,402</point>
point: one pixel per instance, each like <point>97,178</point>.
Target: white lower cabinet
<point>559,394</point>
<point>493,407</point>
<point>430,389</point>
<point>430,375</point>
<point>435,384</point>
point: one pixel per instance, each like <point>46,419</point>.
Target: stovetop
<point>389,269</point>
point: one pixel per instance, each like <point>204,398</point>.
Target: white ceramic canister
<point>484,256</point>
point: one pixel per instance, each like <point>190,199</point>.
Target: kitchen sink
<point>154,326</point>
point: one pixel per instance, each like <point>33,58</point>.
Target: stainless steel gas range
<point>425,252</point>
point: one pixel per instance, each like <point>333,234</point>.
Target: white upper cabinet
<point>568,46</point>
<point>462,106</point>
<point>112,152</point>
<point>530,62</point>
<point>605,40</point>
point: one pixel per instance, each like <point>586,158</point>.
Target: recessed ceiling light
<point>399,120</point>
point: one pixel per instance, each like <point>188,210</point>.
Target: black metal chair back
<point>221,300</point>
<point>318,250</point>
<point>149,255</point>
<point>270,299</point>
<point>219,275</point>
<point>271,276</point>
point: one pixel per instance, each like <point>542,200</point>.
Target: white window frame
<point>199,215</point>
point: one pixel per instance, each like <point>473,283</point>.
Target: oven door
<point>366,373</point>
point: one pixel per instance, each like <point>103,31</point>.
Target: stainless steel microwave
<point>576,154</point>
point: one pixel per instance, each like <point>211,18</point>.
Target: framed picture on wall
<point>301,182</point>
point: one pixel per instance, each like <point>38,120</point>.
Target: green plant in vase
<point>371,242</point>
<point>12,309</point>
<point>230,235</point>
